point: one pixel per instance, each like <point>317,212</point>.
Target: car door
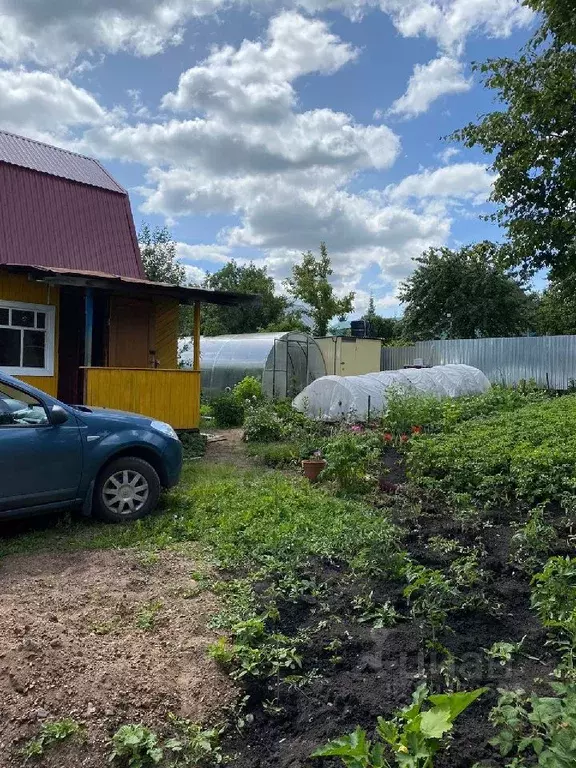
<point>40,463</point>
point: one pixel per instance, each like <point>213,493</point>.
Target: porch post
<point>88,326</point>
<point>196,363</point>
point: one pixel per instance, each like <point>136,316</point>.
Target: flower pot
<point>312,468</point>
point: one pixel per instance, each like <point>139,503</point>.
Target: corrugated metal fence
<point>549,360</point>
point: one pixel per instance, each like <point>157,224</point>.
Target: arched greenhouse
<point>357,398</point>
<point>285,363</point>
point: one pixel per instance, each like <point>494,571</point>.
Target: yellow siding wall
<point>167,315</point>
<point>19,288</point>
<point>350,357</point>
<point>171,396</point>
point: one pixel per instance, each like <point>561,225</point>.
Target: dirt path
<point>230,450</point>
<point>107,638</point>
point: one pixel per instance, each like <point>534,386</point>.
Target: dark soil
<point>377,669</point>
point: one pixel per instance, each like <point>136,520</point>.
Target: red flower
<point>387,437</point>
<point>416,430</point>
<point>403,438</point>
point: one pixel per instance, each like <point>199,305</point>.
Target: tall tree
<point>385,328</point>
<point>463,294</point>
<point>556,313</point>
<point>534,140</point>
<point>158,251</point>
<point>246,278</point>
<point>310,283</point>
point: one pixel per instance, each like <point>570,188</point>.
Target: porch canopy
<point>132,286</point>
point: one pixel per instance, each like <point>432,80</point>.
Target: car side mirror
<point>58,415</point>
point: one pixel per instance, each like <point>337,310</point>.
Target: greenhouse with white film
<point>360,398</point>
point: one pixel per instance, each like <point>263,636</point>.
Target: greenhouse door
<point>290,367</point>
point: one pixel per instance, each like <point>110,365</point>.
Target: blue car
<point>108,463</point>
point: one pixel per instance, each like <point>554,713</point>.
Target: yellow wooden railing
<point>167,395</point>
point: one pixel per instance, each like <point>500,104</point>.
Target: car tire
<point>126,489</point>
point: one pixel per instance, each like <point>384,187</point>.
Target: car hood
<point>87,414</point>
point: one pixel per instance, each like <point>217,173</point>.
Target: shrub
<point>227,411</point>
<point>269,422</point>
<point>353,460</point>
<point>248,389</point>
<point>262,424</point>
<point>405,410</point>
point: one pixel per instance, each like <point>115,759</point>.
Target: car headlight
<point>166,429</point>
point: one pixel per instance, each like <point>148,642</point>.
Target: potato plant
<point>528,454</point>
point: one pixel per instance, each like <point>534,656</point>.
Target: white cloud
<point>451,21</point>
<point>253,82</point>
<point>194,275</point>
<point>246,150</point>
<point>284,214</point>
<point>42,105</point>
<point>189,254</point>
<point>429,82</point>
<point>246,130</point>
<point>447,154</point>
<point>319,138</point>
<point>463,181</point>
<point>56,32</point>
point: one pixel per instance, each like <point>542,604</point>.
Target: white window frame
<point>50,311</point>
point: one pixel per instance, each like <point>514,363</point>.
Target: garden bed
<point>375,670</point>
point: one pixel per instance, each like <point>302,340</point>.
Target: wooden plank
<point>167,395</point>
<point>167,318</point>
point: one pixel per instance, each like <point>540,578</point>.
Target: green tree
<point>463,294</point>
<point>247,278</point>
<point>385,328</point>
<point>533,139</point>
<point>310,284</point>
<point>556,314</point>
<point>158,252</point>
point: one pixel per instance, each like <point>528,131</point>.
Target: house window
<point>26,339</point>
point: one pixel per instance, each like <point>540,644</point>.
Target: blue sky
<point>255,130</point>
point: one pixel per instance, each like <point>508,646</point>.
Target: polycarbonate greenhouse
<point>285,363</point>
<point>357,398</point>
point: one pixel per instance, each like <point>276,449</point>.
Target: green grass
<point>275,454</point>
<point>243,519</point>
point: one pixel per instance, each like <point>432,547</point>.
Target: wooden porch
<point>166,395</point>
<point>114,341</point>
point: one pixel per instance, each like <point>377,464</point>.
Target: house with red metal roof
<point>78,318</point>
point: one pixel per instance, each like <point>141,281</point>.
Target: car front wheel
<point>126,489</point>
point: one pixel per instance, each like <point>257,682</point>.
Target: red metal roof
<point>48,218</point>
<point>27,153</point>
